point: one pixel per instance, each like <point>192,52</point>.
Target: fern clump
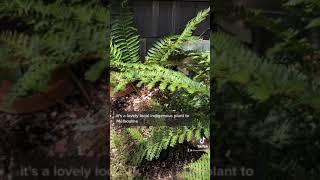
<point>160,70</point>
<point>262,78</point>
<point>124,50</point>
<point>269,103</point>
<point>51,35</point>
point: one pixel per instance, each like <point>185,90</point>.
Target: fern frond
<point>164,137</point>
<point>96,70</point>
<point>124,36</point>
<point>164,48</point>
<point>198,170</point>
<point>263,79</point>
<point>37,9</point>
<point>34,80</point>
<point>153,74</point>
<point>58,33</point>
<point>115,53</point>
<point>22,44</point>
<point>136,134</point>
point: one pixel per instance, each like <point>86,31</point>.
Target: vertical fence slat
<point>175,17</point>
<point>155,18</point>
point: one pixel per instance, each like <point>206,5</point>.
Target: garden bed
<point>72,128</point>
<point>172,161</point>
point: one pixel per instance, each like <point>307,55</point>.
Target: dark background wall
<point>157,19</point>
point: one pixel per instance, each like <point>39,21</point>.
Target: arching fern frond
<point>34,80</point>
<point>153,74</point>
<point>234,63</point>
<point>164,48</point>
<point>164,137</point>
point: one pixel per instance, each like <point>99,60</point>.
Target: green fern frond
<point>234,63</point>
<point>198,170</point>
<point>96,70</point>
<point>21,44</point>
<point>58,33</point>
<point>160,48</point>
<point>116,53</point>
<point>34,80</point>
<point>263,79</point>
<point>136,134</point>
<point>166,47</point>
<point>124,36</point>
<point>37,9</point>
<point>153,74</point>
<point>164,137</point>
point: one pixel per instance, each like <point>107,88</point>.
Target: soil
<point>77,128</point>
<point>172,161</point>
<point>170,165</point>
<point>72,128</point>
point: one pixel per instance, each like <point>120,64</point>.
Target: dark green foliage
<point>163,137</point>
<point>124,37</point>
<point>294,26</point>
<point>53,35</point>
<point>261,78</point>
<point>270,103</point>
<point>123,57</point>
<point>157,72</point>
<point>153,74</point>
<point>167,46</point>
<point>198,170</point>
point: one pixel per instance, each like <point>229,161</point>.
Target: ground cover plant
<point>161,85</point>
<point>268,102</point>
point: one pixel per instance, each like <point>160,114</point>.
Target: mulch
<point>172,161</point>
<point>69,129</point>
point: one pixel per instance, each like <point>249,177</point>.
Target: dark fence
<point>157,19</point>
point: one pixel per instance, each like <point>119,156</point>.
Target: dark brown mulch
<point>73,128</point>
<point>171,162</point>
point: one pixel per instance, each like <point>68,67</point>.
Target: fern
<point>34,80</point>
<point>153,74</point>
<point>198,170</point>
<point>58,10</point>
<point>123,57</point>
<point>263,79</point>
<point>136,134</point>
<point>164,48</point>
<point>164,137</point>
<point>96,70</point>
<point>124,35</point>
<point>58,33</point>
<point>275,100</point>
